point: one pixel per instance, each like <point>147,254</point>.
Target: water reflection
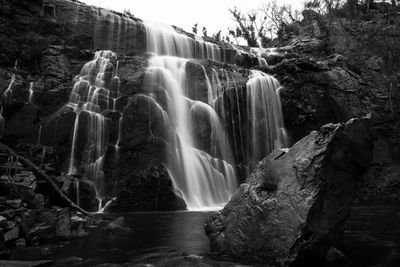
<point>372,238</point>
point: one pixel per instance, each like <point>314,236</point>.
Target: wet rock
<point>4,251</point>
<point>335,256</point>
<point>78,226</point>
<point>150,189</point>
<point>118,226</point>
<point>10,225</point>
<point>14,203</point>
<point>37,202</point>
<point>15,193</point>
<point>87,195</point>
<point>375,63</point>
<point>27,263</point>
<point>63,223</point>
<point>38,233</point>
<point>20,243</point>
<point>292,208</point>
<point>3,222</point>
<point>51,224</point>
<point>11,234</point>
<point>71,261</point>
<point>9,213</point>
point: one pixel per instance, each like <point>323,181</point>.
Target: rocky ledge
<point>291,210</point>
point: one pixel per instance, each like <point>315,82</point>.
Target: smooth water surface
<point>372,238</point>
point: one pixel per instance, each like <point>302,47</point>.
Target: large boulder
<point>147,190</point>
<point>52,224</point>
<point>292,208</point>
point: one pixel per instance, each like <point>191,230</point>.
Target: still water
<point>372,238</point>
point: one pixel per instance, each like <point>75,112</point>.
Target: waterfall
<point>266,128</point>
<point>262,61</point>
<point>163,39</point>
<point>201,130</point>
<point>30,93</point>
<point>8,93</point>
<point>101,208</point>
<point>90,99</point>
<point>204,179</point>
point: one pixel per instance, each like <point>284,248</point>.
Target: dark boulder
<point>51,224</point>
<point>118,226</point>
<point>292,209</point>
<point>150,189</point>
<point>4,251</point>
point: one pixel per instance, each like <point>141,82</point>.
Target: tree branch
<point>43,175</point>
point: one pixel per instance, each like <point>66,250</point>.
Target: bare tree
<point>262,25</point>
<point>279,18</point>
<point>194,28</point>
<point>217,36</point>
<point>248,27</point>
<point>204,31</point>
<point>325,6</point>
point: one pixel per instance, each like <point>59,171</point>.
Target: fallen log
<point>43,175</point>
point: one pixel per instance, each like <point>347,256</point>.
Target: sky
<point>213,14</point>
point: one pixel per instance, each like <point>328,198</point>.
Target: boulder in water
<point>292,208</point>
<point>51,224</point>
<point>118,226</point>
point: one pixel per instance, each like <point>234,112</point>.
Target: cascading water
<point>256,51</point>
<point>31,92</point>
<point>90,99</point>
<point>204,179</point>
<point>200,159</point>
<point>8,93</point>
<point>263,102</point>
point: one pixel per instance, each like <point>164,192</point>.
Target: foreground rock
<point>25,263</point>
<point>292,209</point>
<point>118,226</point>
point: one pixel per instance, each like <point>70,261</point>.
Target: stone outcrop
<point>52,224</point>
<point>332,72</point>
<point>292,208</point>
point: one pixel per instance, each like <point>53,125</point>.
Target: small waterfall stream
<point>91,97</point>
<point>31,93</point>
<point>263,102</point>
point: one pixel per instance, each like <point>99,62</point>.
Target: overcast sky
<point>213,14</point>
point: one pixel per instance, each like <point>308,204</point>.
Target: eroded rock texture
<point>334,72</point>
<point>292,208</point>
<point>44,44</point>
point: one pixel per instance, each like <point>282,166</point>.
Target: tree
<point>194,28</point>
<point>259,27</point>
<point>248,26</point>
<point>217,36</point>
<point>324,6</point>
<point>204,31</point>
<point>128,12</point>
<point>280,18</point>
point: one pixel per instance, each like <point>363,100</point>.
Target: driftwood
<point>43,175</point>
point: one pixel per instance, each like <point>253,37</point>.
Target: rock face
<point>52,224</point>
<point>292,208</point>
<point>44,44</point>
<point>335,71</point>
